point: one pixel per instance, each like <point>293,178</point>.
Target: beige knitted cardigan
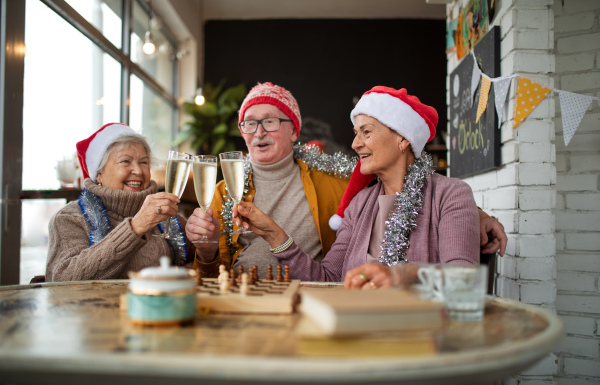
<point>70,257</point>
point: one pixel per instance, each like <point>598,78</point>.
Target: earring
<point>100,184</point>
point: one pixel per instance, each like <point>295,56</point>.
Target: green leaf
<point>218,146</point>
<point>220,129</point>
<point>182,136</point>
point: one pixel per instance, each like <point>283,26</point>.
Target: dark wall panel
<point>326,63</point>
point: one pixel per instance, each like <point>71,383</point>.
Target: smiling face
<point>379,148</point>
<point>269,147</point>
<point>127,168</point>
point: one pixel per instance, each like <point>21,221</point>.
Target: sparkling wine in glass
<point>204,169</point>
<point>178,171</point>
<point>232,165</point>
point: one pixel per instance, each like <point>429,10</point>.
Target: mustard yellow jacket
<point>323,192</point>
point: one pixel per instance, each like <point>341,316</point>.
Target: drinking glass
<point>464,289</point>
<point>204,168</point>
<point>232,165</point>
<point>178,171</point>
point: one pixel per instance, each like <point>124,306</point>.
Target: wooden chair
<point>38,279</point>
<point>490,261</point>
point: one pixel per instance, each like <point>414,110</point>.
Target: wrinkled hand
<point>492,235</point>
<point>149,216</point>
<point>368,277</point>
<point>248,216</point>
<point>202,224</point>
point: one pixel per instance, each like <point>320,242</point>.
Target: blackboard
<point>474,147</point>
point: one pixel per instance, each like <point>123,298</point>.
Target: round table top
<point>76,329</point>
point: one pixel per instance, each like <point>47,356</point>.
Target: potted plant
<point>214,123</point>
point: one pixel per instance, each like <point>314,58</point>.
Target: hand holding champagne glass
<point>178,171</point>
<point>232,165</point>
<point>204,169</point>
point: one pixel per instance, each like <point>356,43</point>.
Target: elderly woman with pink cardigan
<point>409,216</point>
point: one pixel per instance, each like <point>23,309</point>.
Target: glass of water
<point>464,289</point>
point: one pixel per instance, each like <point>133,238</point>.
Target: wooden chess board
<point>264,297</point>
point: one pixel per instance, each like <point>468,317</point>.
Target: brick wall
<point>577,213</point>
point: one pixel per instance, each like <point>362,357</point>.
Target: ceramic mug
<point>431,280</point>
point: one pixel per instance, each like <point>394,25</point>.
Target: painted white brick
<point>583,347</point>
<point>536,222</point>
<point>535,381</point>
<point>585,221</point>
<point>584,163</point>
<point>511,245</point>
<point>507,267</point>
<point>537,174</point>
<point>534,62</point>
<point>581,367</point>
<point>509,152</point>
<point>485,181</point>
<point>569,23</point>
<point>536,268</point>
<point>548,365</point>
<point>578,303</point>
<point>578,262</point>
<point>561,163</point>
<point>538,292</point>
<point>577,183</point>
<point>536,152</point>
<point>576,325</point>
<point>507,132</point>
<point>502,198</point>
<point>589,123</point>
<point>582,241</point>
<point>576,282</point>
<point>583,201</point>
<point>598,60</point>
<point>578,43</point>
<point>545,109</point>
<point>533,19</point>
<point>580,6</point>
<point>575,381</point>
<point>479,199</point>
<point>560,241</point>
<point>581,82</point>
<point>575,62</point>
<point>536,245</point>
<point>507,175</point>
<point>537,40</point>
<point>509,219</point>
<point>535,131</point>
<point>537,198</point>
<point>507,288</point>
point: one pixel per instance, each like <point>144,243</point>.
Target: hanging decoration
<point>529,95</point>
<point>500,95</point>
<point>483,96</point>
<point>573,107</point>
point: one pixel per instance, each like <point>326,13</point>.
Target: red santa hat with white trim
<point>91,150</point>
<point>402,113</point>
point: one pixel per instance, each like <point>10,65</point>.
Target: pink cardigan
<point>447,231</point>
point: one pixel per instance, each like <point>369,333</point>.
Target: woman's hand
<point>374,276</point>
<point>155,209</point>
<point>248,216</point>
<point>202,224</point>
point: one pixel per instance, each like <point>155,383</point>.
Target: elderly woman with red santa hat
<point>107,231</point>
<point>411,215</point>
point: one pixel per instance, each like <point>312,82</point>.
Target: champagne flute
<point>204,168</point>
<point>232,164</point>
<point>178,171</point>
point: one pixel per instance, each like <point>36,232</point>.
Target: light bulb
<point>199,99</point>
<point>148,46</point>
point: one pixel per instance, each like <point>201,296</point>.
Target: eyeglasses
<point>269,124</point>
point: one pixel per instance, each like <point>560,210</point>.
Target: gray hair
<point>121,143</point>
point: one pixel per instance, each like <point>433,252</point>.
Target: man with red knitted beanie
<point>283,181</point>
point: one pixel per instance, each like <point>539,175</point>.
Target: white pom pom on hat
<point>402,113</point>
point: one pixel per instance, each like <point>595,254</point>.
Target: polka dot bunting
<point>573,106</point>
<point>529,95</point>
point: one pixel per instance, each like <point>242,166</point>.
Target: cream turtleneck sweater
<point>70,257</point>
<point>280,194</point>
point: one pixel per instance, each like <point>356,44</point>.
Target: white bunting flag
<point>475,78</point>
<point>501,92</point>
<point>573,106</point>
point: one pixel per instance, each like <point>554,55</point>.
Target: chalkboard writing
<point>474,147</point>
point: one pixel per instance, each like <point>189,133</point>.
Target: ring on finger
<point>159,209</point>
<point>373,284</point>
<point>364,277</point>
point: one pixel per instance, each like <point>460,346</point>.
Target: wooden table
<point>75,333</point>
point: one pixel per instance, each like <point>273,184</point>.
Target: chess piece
<point>244,285</point>
<point>198,277</point>
<point>279,277</point>
<point>233,280</point>
<point>286,277</point>
<point>240,272</point>
<point>221,270</point>
<point>255,274</point>
<point>251,276</point>
<point>223,277</point>
<point>269,273</point>
<point>225,285</point>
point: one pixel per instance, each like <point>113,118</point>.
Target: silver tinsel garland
<point>339,165</point>
<point>403,218</point>
<point>99,226</point>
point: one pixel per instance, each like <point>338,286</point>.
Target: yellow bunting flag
<point>483,96</point>
<point>529,95</point>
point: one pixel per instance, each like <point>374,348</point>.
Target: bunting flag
<point>573,106</point>
<point>529,95</point>
<point>475,77</point>
<point>501,92</point>
<point>483,96</point>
